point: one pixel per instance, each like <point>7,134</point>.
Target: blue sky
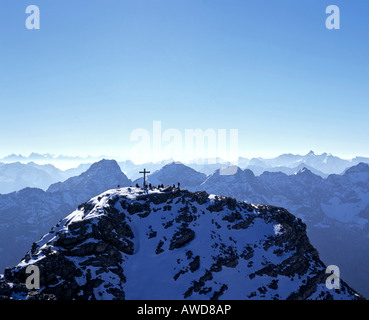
<point>97,70</point>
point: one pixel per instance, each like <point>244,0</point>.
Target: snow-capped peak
<point>166,243</point>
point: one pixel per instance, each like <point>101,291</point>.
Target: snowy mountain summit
<point>170,244</point>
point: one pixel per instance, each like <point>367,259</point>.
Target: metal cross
<point>144,173</point>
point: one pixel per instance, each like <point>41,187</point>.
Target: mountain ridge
<point>335,210</point>
<point>27,214</point>
<point>130,244</point>
<point>322,164</point>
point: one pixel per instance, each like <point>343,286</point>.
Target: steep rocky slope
<point>28,214</point>
<point>334,209</point>
<point>174,244</point>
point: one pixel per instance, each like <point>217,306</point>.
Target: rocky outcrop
<point>181,237</point>
<point>28,214</point>
<point>173,244</point>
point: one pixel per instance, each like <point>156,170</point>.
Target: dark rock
<point>195,264</point>
<point>200,197</point>
<point>219,293</point>
<point>77,259</point>
<point>181,237</point>
<point>159,248</point>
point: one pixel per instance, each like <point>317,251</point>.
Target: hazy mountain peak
<point>306,174</point>
<point>174,173</point>
<point>248,173</point>
<point>236,170</point>
<point>102,175</point>
<point>175,165</point>
<point>104,165</point>
<point>361,167</point>
<point>303,170</point>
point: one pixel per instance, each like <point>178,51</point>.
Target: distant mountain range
<point>42,170</point>
<point>16,176</point>
<point>324,163</point>
<point>335,209</point>
<point>47,157</point>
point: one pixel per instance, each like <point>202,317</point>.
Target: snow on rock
<point>28,214</point>
<point>174,244</point>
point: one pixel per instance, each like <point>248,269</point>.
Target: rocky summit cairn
<point>168,243</point>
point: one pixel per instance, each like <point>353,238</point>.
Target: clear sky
<point>97,70</point>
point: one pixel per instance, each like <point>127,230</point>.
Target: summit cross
<point>144,173</point>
